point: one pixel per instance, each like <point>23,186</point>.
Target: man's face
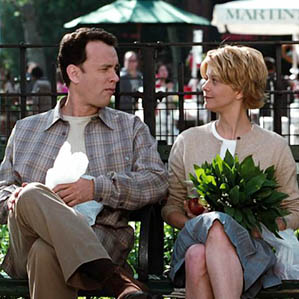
<point>132,63</point>
<point>97,75</point>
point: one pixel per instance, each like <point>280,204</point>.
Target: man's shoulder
<point>36,121</point>
<point>121,116</point>
<point>124,123</point>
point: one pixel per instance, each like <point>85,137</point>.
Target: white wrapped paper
<point>68,168</point>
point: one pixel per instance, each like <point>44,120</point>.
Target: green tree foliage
<point>48,19</point>
<point>4,241</point>
<point>170,234</point>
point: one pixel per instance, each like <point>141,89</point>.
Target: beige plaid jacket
<point>123,159</point>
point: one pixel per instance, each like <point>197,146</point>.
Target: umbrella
<point>260,17</point>
<point>266,17</point>
<point>138,11</point>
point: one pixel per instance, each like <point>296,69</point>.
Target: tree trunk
<point>32,36</point>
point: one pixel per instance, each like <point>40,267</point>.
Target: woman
<point>220,258</point>
<point>165,113</point>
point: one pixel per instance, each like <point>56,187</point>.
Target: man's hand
<point>75,193</point>
<point>14,197</point>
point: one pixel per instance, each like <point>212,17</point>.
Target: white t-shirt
<point>90,209</point>
<point>76,134</point>
<point>227,144</point>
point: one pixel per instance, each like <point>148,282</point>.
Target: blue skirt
<point>256,256</point>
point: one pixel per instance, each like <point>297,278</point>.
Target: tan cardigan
<point>197,145</point>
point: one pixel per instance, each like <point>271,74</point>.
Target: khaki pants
<point>48,242</point>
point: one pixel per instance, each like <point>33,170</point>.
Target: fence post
<point>23,79</point>
<point>181,96</point>
<point>149,95</point>
<point>53,84</point>
<point>277,109</point>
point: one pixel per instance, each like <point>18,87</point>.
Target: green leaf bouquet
<point>241,190</point>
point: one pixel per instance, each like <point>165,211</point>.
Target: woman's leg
<point>223,264</point>
<point>197,279</point>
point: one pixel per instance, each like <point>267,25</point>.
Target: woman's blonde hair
<point>243,68</point>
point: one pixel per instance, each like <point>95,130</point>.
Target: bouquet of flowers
<point>241,190</point>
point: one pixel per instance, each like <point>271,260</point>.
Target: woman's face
<point>163,72</point>
<point>219,97</point>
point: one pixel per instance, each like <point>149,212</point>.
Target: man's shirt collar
<point>107,115</point>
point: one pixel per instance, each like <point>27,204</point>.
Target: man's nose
<point>115,77</point>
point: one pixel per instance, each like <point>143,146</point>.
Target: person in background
<point>8,84</point>
<point>40,85</point>
<point>166,120</point>
<point>49,240</point>
<point>29,67</point>
<point>163,80</point>
<point>7,101</point>
<point>214,256</point>
<point>130,81</point>
<point>60,85</point>
<point>267,109</point>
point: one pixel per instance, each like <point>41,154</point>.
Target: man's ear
<point>74,73</point>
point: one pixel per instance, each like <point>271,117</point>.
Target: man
<point>40,85</point>
<point>49,240</point>
<point>268,108</point>
<point>130,81</point>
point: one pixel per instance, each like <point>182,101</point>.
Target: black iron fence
<point>167,111</point>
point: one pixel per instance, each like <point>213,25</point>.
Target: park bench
<point>150,258</point>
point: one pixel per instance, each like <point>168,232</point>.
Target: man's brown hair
<point>72,47</point>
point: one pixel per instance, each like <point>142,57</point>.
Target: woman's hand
<point>188,211</point>
<point>281,223</point>
<point>255,233</point>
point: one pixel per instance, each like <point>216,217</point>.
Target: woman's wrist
<point>281,223</point>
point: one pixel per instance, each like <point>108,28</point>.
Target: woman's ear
<point>239,95</point>
<point>74,73</point>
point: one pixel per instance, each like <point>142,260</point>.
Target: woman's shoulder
<point>195,141</point>
<point>197,132</point>
<point>268,136</point>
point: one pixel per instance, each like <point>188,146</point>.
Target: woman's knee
<point>195,258</point>
<point>218,235</point>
